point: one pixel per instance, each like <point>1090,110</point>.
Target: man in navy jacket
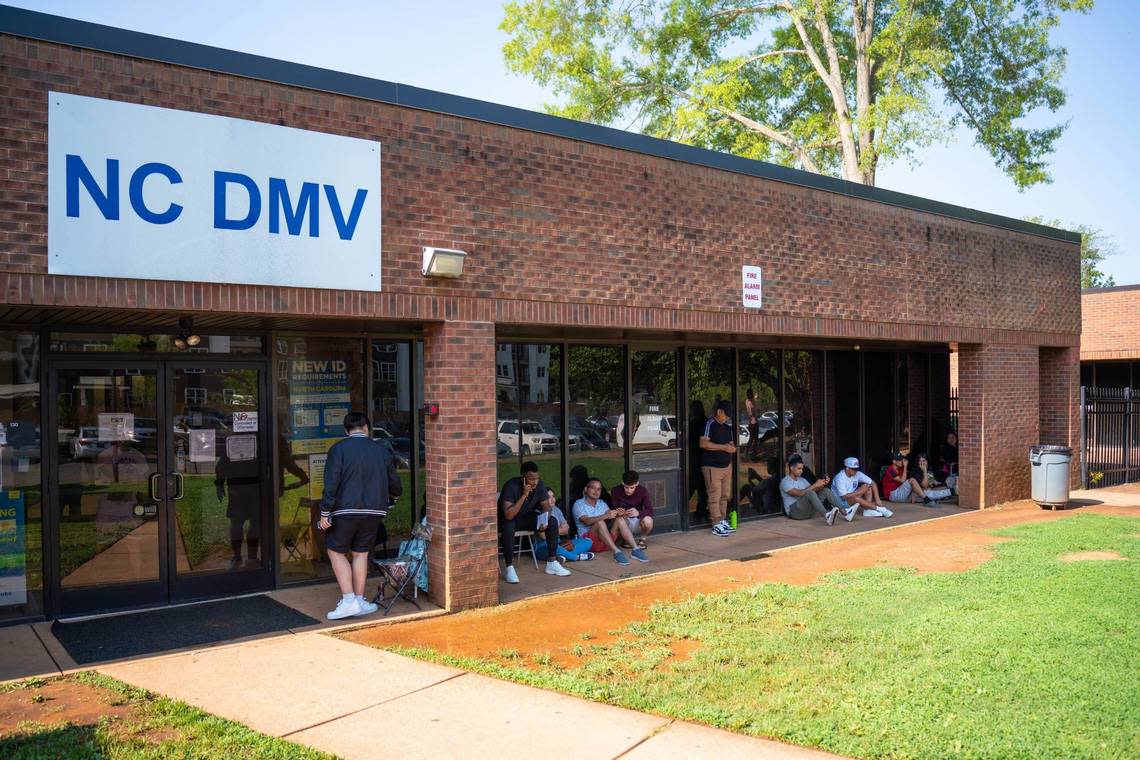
<point>360,482</point>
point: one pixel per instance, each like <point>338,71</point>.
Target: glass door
<point>109,492</point>
<point>160,472</point>
<point>216,447</point>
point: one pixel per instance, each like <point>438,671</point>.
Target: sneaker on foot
<point>872,513</point>
<point>585,557</point>
<point>511,576</point>
<point>345,608</point>
<point>621,559</point>
<point>640,555</point>
<point>830,516</point>
<point>849,513</point>
<point>928,502</point>
<point>553,568</point>
<point>366,608</point>
<point>719,530</point>
<point>727,526</point>
<point>886,512</point>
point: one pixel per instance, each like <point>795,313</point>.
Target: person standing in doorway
<point>360,482</point>
<point>717,450</point>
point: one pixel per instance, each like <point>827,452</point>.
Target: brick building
<point>604,306</point>
<point>1110,337</point>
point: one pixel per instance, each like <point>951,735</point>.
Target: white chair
<point>528,536</point>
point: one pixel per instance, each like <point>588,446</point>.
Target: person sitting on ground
<point>634,498</point>
<point>569,549</point>
<point>949,454</point>
<point>803,498</point>
<point>858,491</point>
<point>520,504</point>
<point>898,486</point>
<point>929,483</point>
<point>597,522</point>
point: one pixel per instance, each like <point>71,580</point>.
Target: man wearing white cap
<point>857,490</point>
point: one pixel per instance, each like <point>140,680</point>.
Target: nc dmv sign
<point>153,193</point>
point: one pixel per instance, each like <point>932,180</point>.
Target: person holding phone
<point>520,505</point>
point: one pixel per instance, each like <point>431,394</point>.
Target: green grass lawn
<point>152,727</point>
<point>1024,656</point>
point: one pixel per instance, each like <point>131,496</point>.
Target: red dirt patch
<point>1090,557</point>
<point>558,623</point>
<point>59,702</point>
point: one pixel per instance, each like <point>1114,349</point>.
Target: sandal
<point>641,543</point>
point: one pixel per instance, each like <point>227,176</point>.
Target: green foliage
<point>1095,247</point>
<point>832,86</point>
<point>1023,656</point>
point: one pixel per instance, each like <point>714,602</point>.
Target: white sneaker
<point>872,513</point>
<point>511,576</point>
<point>830,516</point>
<point>720,530</point>
<point>849,513</point>
<point>553,568</point>
<point>366,608</point>
<point>886,512</point>
<point>345,608</point>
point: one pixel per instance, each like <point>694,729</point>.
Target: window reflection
<point>391,416</point>
<point>528,391</point>
<point>597,411</point>
<point>710,378</point>
<point>760,426</point>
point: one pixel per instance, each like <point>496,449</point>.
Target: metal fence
<point>1110,436</point>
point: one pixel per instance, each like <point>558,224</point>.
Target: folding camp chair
<point>404,570</point>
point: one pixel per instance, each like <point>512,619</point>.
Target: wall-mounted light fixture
<point>186,336</point>
<point>443,262</point>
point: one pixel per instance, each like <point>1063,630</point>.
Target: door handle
<point>152,488</point>
<point>180,487</point>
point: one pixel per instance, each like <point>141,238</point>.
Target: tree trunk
<point>863,24</point>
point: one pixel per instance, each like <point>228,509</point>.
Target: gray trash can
<point>1050,467</point>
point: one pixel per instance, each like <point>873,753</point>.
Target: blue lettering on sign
<point>173,211</point>
<point>279,201</point>
<point>345,229</point>
<point>308,203</point>
<point>106,202</point>
<point>221,181</point>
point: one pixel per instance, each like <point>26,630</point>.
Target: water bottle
<point>732,518</point>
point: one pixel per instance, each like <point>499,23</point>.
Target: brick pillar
<point>459,375</point>
<point>997,421</point>
<point>1059,390</point>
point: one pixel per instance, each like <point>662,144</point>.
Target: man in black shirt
<point>717,450</point>
<point>520,504</point>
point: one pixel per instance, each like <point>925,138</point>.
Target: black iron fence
<point>1110,436</point>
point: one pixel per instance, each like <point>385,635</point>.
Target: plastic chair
<point>529,536</point>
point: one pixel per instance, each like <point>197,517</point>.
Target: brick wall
<point>997,423</point>
<point>459,375</point>
<point>1110,324</point>
<point>559,232</point>
<point>1059,390</point>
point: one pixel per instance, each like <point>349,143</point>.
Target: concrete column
<point>459,375</point>
<point>998,420</point>
<point>1060,389</point>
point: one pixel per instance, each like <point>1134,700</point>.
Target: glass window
<point>134,343</point>
<point>879,410</point>
<point>21,509</point>
<point>597,411</point>
<point>803,408</point>
<point>319,380</point>
<point>843,408</point>
<point>391,416</point>
<point>655,422</point>
<point>710,381</point>
<point>529,410</point>
<point>760,424</point>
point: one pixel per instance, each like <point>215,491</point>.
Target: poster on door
<point>320,394</point>
<point>317,475</point>
<point>13,549</point>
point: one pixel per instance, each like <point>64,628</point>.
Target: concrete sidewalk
<point>357,702</point>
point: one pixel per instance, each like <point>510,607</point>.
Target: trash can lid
<point>1048,449</point>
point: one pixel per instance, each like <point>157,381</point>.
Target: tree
<point>1095,247</point>
<point>832,86</point>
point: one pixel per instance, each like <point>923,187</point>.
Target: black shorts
<point>352,534</point>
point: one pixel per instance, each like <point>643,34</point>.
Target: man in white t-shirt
<point>857,490</point>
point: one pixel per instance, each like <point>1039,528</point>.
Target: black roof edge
<point>1109,289</point>
<point>84,34</point>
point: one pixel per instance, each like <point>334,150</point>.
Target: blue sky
<point>456,46</point>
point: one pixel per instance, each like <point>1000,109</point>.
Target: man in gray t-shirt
<point>803,499</point>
